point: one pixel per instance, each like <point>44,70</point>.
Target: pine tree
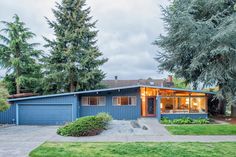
<point>74,59</point>
<point>199,45</point>
<point>18,56</point>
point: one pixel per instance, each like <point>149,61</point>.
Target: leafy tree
<point>180,83</point>
<point>199,45</point>
<point>74,59</point>
<point>18,56</point>
<point>3,97</point>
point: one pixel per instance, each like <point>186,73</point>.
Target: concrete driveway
<point>18,141</point>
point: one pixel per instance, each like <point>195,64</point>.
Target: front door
<point>151,106</point>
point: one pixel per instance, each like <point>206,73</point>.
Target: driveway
<point>18,141</point>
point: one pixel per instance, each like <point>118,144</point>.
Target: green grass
<point>165,149</point>
<point>202,129</point>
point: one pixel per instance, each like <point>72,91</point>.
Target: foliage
<point>137,149</point>
<point>3,97</point>
<point>211,129</point>
<point>74,59</point>
<point>105,117</point>
<point>86,126</point>
<point>198,45</point>
<point>19,57</point>
<point>184,120</point>
<point>180,83</point>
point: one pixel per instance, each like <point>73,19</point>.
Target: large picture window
<point>124,100</point>
<point>183,104</point>
<point>93,101</point>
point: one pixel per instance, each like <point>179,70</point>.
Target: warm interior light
<point>161,105</point>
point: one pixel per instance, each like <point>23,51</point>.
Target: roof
<point>123,83</point>
<point>107,89</point>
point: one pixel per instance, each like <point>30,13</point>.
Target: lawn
<point>165,149</point>
<point>202,129</point>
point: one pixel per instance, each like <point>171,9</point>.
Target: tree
<point>18,56</point>
<point>180,83</point>
<point>74,59</point>
<point>3,97</point>
<point>199,45</point>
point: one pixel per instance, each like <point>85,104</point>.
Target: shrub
<point>105,117</point>
<point>185,120</point>
<point>201,121</point>
<point>85,126</point>
<point>166,120</point>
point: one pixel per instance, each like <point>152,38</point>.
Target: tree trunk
<point>72,87</point>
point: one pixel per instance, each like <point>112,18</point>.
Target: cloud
<point>127,29</point>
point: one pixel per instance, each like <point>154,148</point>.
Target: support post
<point>158,107</point>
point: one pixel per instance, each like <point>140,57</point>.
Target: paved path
<point>18,141</point>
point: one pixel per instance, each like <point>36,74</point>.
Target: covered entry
<point>44,114</point>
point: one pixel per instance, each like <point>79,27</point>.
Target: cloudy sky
<point>127,29</point>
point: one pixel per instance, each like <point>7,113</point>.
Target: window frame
<point>98,100</point>
<point>129,98</point>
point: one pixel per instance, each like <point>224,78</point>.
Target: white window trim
<point>93,105</point>
<point>128,99</point>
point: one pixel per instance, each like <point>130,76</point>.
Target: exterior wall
<point>8,116</point>
<point>57,100</point>
<point>193,115</point>
<point>117,112</point>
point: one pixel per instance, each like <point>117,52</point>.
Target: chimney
<point>170,78</point>
<point>116,77</point>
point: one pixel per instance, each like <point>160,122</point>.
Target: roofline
<point>107,89</point>
<point>73,93</point>
<point>181,89</point>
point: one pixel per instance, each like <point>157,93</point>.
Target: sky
<point>127,29</point>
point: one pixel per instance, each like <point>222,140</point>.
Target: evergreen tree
<point>199,45</point>
<point>18,56</point>
<point>74,59</point>
<point>3,97</point>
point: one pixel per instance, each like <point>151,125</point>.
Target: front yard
<point>166,149</point>
<point>207,129</point>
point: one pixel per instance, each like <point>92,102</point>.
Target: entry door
<point>151,106</point>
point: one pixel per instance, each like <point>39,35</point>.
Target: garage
<point>44,114</point>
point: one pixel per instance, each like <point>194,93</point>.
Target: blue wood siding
<point>8,116</point>
<point>117,112</point>
<point>45,114</point>
<point>55,100</point>
<point>193,116</point>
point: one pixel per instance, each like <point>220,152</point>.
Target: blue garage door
<point>45,114</point>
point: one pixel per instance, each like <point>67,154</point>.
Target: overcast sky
<point>127,29</point>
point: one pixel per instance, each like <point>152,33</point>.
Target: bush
<point>184,120</point>
<point>105,117</point>
<point>166,120</point>
<point>201,121</point>
<point>85,126</point>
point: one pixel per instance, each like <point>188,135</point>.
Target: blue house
<point>126,103</point>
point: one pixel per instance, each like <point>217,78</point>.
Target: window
<point>124,100</point>
<point>93,101</point>
<point>183,104</point>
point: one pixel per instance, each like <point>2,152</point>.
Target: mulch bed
<point>226,119</point>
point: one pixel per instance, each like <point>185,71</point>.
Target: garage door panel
<point>45,114</point>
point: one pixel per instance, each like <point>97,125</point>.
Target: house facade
<point>123,103</point>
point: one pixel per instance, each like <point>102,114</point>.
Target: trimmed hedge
<point>86,126</point>
<point>185,121</point>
